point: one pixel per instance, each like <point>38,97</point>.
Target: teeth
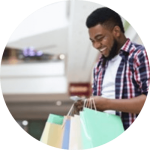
<point>102,49</point>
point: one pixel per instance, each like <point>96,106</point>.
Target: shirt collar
<point>127,46</point>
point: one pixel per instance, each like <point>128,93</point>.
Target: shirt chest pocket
<point>130,76</point>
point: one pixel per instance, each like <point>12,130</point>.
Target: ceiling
<point>69,38</point>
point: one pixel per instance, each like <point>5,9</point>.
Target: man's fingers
<point>88,104</point>
<point>80,108</point>
<point>79,102</point>
<point>79,105</point>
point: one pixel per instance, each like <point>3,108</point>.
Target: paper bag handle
<point>70,111</point>
<point>91,102</point>
<point>92,99</point>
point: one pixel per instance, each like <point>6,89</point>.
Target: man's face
<point>103,40</point>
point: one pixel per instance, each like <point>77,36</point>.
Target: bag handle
<point>69,112</point>
<point>91,101</point>
<point>84,105</point>
<point>71,109</point>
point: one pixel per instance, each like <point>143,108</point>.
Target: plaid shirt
<point>132,78</point>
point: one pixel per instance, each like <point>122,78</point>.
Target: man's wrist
<point>103,103</point>
<point>109,104</point>
<point>114,104</point>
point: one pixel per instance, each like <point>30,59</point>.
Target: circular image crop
<point>75,75</point>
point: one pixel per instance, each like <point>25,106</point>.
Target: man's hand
<point>133,105</point>
<point>79,105</point>
<point>100,103</point>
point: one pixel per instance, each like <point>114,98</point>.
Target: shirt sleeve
<point>142,71</point>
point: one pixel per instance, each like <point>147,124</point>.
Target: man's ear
<point>116,31</point>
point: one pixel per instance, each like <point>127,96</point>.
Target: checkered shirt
<point>132,78</point>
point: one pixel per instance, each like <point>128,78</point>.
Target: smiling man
<point>121,76</point>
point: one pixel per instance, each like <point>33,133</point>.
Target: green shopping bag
<point>57,119</point>
<point>98,128</point>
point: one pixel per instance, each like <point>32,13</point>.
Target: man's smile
<point>101,50</point>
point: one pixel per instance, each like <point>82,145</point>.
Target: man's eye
<point>100,38</point>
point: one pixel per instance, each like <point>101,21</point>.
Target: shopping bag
<point>53,131</point>
<point>56,119</point>
<point>66,126</point>
<point>66,134</point>
<point>75,141</point>
<point>98,128</point>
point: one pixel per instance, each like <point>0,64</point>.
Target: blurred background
<point>47,59</point>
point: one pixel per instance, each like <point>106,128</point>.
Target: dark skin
<point>102,39</point>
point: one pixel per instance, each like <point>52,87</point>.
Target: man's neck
<point>121,42</point>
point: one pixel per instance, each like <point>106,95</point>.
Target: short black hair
<point>104,16</point>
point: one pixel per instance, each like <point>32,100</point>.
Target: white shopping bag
<point>75,134</point>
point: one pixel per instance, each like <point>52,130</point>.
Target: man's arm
<point>133,105</point>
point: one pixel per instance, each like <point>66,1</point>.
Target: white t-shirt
<point>108,86</point>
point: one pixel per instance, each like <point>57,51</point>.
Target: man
<point>121,77</point>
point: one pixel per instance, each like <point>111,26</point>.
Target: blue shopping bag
<point>65,142</point>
